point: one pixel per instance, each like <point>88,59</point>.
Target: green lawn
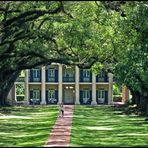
<point>94,126</point>
<point>102,126</point>
<point>26,126</point>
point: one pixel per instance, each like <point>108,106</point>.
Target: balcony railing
<point>101,79</point>
<point>68,79</point>
<point>51,79</point>
<point>86,79</point>
<point>20,79</point>
<point>35,80</point>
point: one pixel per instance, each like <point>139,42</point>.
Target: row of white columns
<point>43,86</point>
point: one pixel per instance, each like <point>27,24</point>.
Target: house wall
<point>83,79</point>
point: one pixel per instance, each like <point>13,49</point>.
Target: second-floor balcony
<point>86,79</point>
<point>85,75</point>
<point>69,79</point>
<point>101,79</point>
<point>51,79</point>
<point>51,75</point>
<point>38,79</point>
<point>35,75</point>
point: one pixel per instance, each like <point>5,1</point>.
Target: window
<point>35,73</point>
<point>86,73</point>
<point>68,72</point>
<point>86,96</point>
<point>51,94</point>
<point>51,73</point>
<point>68,75</point>
<point>36,94</point>
<point>101,96</point>
<point>102,74</point>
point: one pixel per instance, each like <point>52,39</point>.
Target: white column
<point>110,91</point>
<point>93,89</point>
<point>43,90</point>
<point>77,85</point>
<point>60,89</point>
<point>26,87</point>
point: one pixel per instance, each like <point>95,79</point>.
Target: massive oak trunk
<point>135,97</point>
<point>141,100</point>
<point>6,83</point>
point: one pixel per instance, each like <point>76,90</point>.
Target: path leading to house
<point>60,134</point>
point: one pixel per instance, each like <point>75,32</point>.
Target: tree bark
<point>145,106</point>
<point>6,85</point>
<point>135,97</point>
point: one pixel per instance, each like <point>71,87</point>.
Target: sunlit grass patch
<point>102,126</point>
<point>27,126</point>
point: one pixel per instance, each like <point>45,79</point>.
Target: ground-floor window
<point>101,96</point>
<point>51,96</point>
<point>85,96</point>
<point>35,96</point>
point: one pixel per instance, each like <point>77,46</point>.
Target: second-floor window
<point>102,74</point>
<point>68,72</point>
<point>86,73</point>
<point>51,73</point>
<point>68,75</point>
<point>35,73</point>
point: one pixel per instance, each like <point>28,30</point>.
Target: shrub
<point>20,98</point>
<point>117,98</point>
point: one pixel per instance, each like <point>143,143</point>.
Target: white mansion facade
<point>68,84</point>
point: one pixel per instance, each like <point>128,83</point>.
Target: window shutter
<point>40,96</point>
<point>31,94</point>
<point>97,78</point>
<point>40,75</point>
<point>56,75</point>
<point>97,96</point>
<point>47,75</point>
<point>31,75</point>
<point>90,76</point>
<point>47,96</point>
<point>90,96</point>
<point>81,75</point>
<point>31,97</point>
<point>106,77</point>
<point>56,95</point>
<point>81,97</point>
<point>106,97</point>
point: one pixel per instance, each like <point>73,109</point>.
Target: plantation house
<point>68,84</point>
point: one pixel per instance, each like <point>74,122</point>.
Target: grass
<point>26,126</point>
<point>93,126</point>
<point>102,126</point>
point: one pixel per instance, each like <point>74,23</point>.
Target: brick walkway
<point>60,134</point>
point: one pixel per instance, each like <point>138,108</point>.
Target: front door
<point>69,96</point>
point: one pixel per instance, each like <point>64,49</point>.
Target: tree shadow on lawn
<point>102,127</point>
<point>31,130</point>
